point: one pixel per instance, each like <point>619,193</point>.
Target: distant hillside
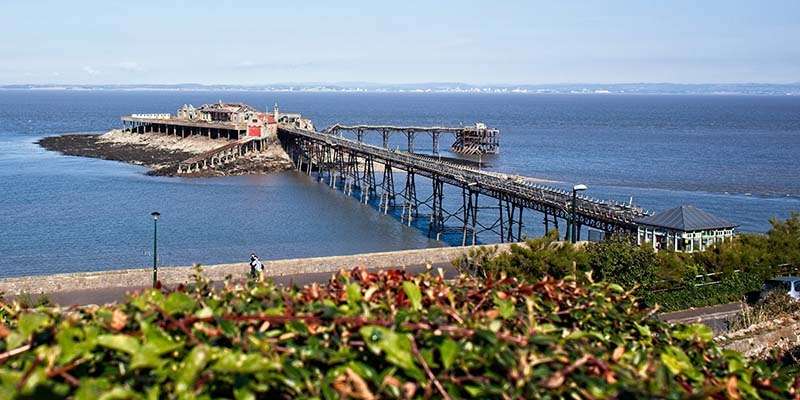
<point>456,87</point>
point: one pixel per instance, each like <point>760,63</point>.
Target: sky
<point>478,42</point>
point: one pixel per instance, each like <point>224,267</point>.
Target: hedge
<point>372,335</point>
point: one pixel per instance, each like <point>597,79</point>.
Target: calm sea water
<point>735,156</point>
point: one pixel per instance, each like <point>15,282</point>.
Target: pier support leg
<point>410,198</point>
<point>387,186</point>
<point>470,216</point>
<point>435,225</point>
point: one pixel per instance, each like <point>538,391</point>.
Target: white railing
<point>151,116</point>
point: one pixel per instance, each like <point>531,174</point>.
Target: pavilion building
<point>684,229</point>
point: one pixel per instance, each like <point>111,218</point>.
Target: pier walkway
<point>350,166</point>
<point>476,139</point>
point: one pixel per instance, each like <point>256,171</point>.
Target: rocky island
<point>162,154</point>
<point>217,139</point>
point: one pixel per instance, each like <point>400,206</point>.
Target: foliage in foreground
<point>372,335</point>
<point>669,279</point>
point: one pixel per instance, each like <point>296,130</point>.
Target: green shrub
<point>617,260</point>
<point>372,335</point>
<point>665,278</point>
<point>731,288</point>
<point>540,257</point>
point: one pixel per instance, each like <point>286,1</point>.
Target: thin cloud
<point>89,70</point>
<point>130,66</point>
<point>248,64</point>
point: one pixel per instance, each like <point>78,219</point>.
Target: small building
<point>232,121</point>
<point>685,229</point>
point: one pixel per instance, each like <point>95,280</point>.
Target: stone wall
<point>142,277</point>
<point>760,340</point>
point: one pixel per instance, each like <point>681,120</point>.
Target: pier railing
<point>475,139</point>
<point>352,162</point>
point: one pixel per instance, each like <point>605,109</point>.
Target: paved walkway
<point>143,277</point>
<point>118,293</point>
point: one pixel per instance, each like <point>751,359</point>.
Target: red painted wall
<point>254,131</point>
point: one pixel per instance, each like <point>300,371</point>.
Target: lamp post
<point>155,215</point>
<point>573,224</point>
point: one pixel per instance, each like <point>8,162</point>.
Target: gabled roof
<point>685,218</point>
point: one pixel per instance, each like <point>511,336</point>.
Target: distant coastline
<point>761,89</point>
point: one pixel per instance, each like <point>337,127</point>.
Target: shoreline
<point>162,154</point>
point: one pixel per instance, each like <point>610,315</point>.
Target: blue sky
<point>482,42</point>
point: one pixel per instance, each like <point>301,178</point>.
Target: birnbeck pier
<point>350,165</point>
<point>480,205</point>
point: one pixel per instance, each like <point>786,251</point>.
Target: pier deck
<point>472,140</point>
<point>350,163</point>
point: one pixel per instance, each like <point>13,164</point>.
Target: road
<point>713,316</point>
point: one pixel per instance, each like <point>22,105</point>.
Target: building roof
<point>685,218</point>
<point>226,107</point>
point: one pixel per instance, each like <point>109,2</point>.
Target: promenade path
<point>108,286</point>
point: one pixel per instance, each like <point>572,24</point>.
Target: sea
<point>734,156</point>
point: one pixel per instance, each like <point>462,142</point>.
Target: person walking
<point>256,267</point>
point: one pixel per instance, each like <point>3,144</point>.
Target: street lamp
<point>155,215</point>
<point>574,223</point>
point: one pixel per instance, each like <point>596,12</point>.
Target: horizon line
<point>356,83</point>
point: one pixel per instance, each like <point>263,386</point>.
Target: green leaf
<point>240,363</point>
<point>448,350</point>
<point>146,357</point>
<point>119,393</point>
<point>644,330</point>
<point>91,388</point>
<point>696,332</point>
<point>413,293</point>
<point>192,365</point>
<point>679,363</point>
<point>73,342</point>
<point>150,296</point>
<point>30,323</point>
<point>243,393</point>
<point>506,307</point>
<point>123,343</point>
<point>158,341</point>
<point>178,302</point>
<point>396,346</point>
<point>353,293</point>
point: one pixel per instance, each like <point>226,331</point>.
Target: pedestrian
<point>256,267</point>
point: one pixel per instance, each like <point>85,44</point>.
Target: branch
<point>14,352</point>
<point>428,371</point>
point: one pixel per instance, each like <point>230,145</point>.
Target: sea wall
<point>142,277</point>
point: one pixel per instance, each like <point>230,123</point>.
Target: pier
<point>472,140</point>
<point>349,165</point>
<point>340,157</point>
